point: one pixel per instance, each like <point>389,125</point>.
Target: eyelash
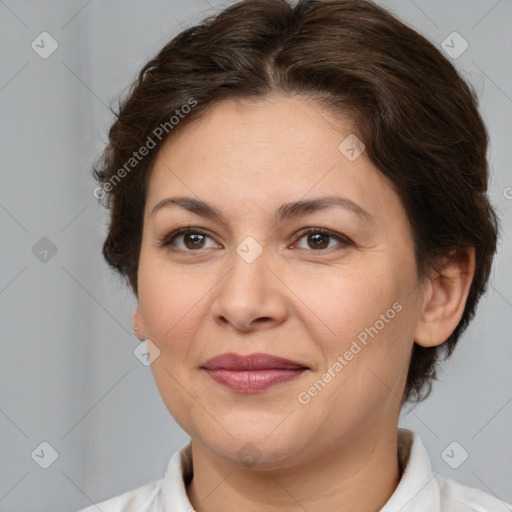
<point>167,241</point>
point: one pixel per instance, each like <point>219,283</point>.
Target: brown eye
<point>193,239</point>
<point>319,239</point>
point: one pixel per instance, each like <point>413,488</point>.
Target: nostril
<point>262,319</point>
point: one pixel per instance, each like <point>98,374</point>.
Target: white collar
<point>417,490</point>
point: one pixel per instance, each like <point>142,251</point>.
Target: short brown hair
<point>415,114</point>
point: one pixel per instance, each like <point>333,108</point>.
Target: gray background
<point>68,375</point>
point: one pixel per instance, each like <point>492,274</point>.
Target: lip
<point>252,373</point>
<point>258,361</point>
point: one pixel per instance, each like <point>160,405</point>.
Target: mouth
<point>252,373</point>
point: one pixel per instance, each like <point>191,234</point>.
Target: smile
<point>252,373</point>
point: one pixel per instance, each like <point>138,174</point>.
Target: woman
<point>298,201</point>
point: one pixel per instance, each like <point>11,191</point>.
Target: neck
<point>358,474</point>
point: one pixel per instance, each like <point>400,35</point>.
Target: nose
<point>250,296</point>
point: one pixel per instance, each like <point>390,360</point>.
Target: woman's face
<point>343,304</point>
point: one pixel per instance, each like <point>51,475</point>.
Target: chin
<point>255,448</point>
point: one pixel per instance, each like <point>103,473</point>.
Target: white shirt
<point>419,489</point>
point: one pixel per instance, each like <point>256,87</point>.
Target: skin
<point>297,301</point>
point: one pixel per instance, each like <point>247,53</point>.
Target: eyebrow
<point>286,211</point>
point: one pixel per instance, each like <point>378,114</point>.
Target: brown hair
<point>416,116</point>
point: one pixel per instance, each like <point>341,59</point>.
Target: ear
<point>137,322</point>
<point>445,298</point>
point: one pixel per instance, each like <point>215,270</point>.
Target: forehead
<point>291,123</point>
<point>243,153</point>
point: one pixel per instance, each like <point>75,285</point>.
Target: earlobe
<point>446,298</point>
<point>138,326</point>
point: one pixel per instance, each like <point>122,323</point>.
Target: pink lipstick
<point>252,373</point>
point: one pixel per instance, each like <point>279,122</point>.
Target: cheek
<point>170,305</point>
<point>168,302</point>
<point>344,302</point>
<point>363,327</point>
